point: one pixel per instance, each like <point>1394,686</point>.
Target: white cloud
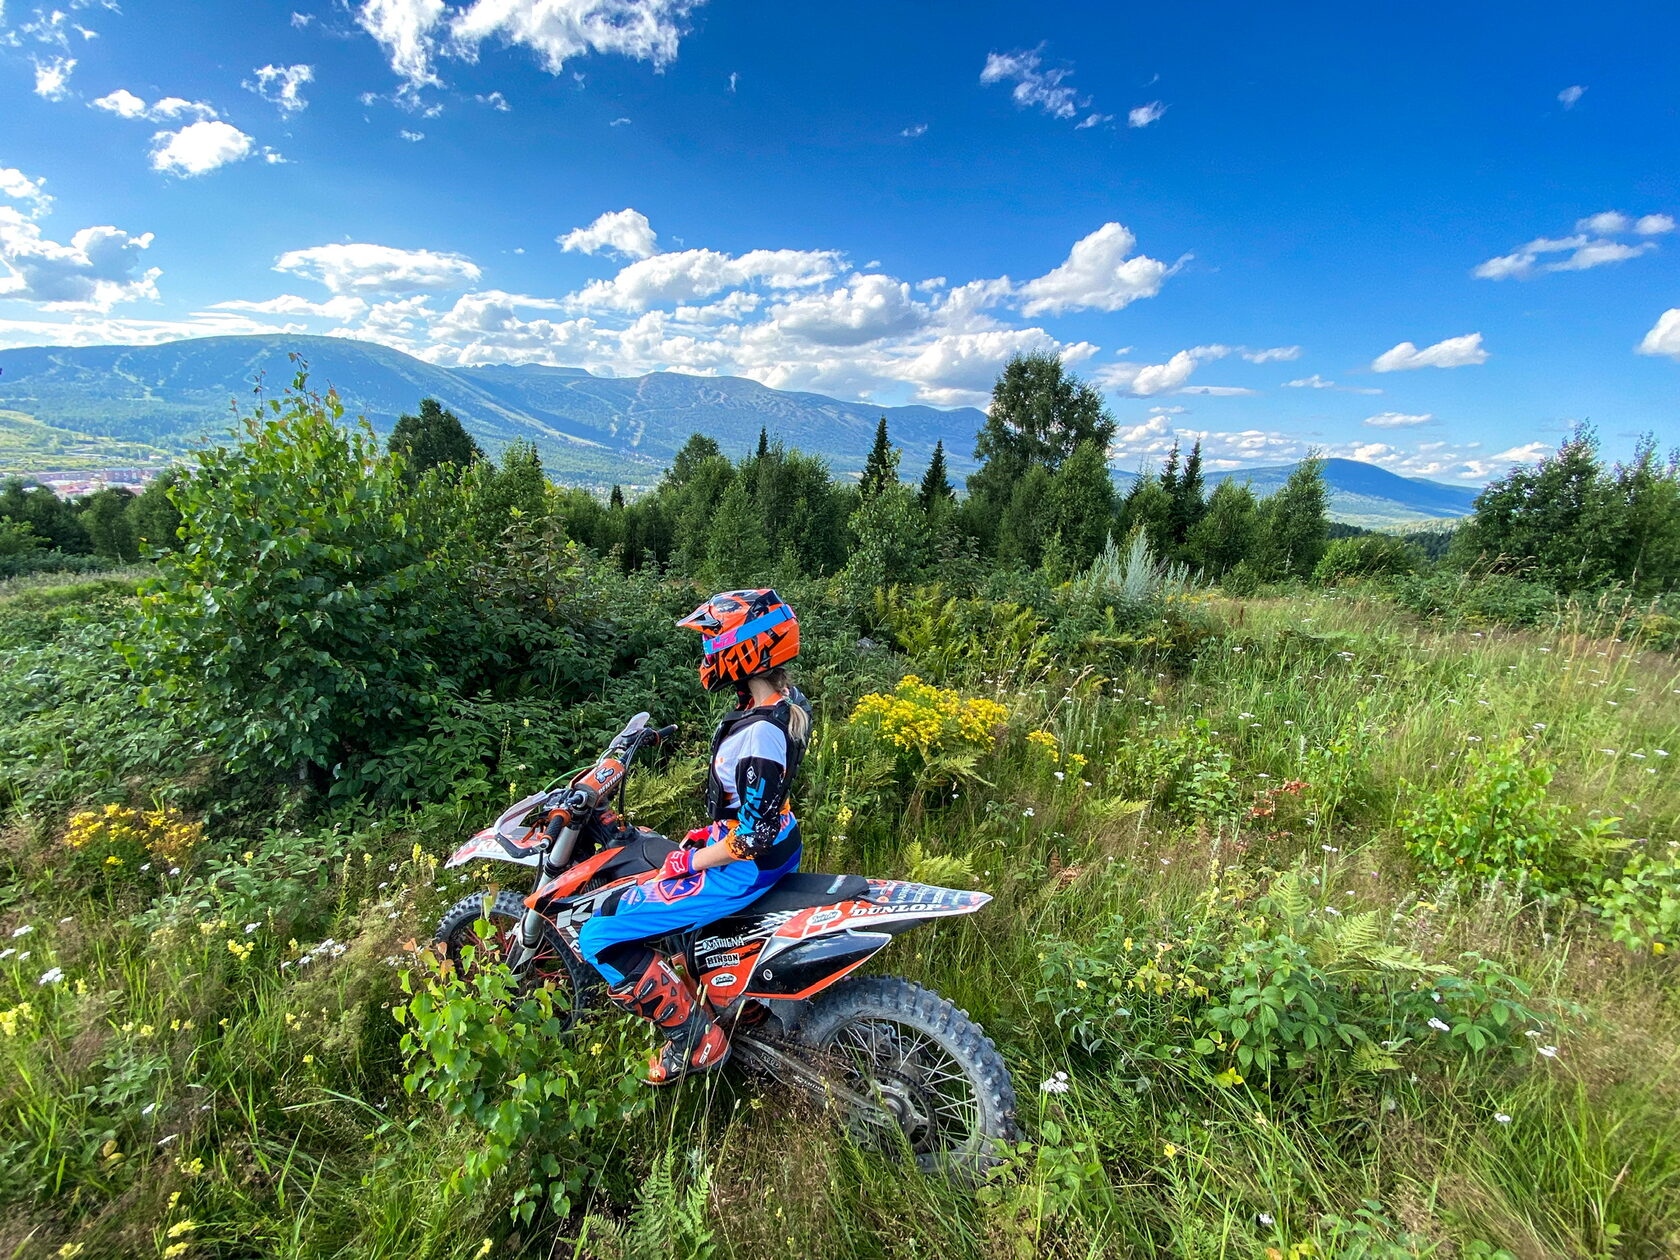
<point>1093,120</point>
<point>1605,223</point>
<point>1145,380</point>
<point>97,269</point>
<point>379,269</point>
<point>961,367</point>
<point>696,273</point>
<point>625,232</point>
<point>17,186</point>
<point>496,101</point>
<point>1034,85</point>
<point>1276,354</point>
<point>415,33</point>
<point>1664,337</point>
<point>282,85</point>
<point>339,308</point>
<point>413,137</point>
<point>1097,275</point>
<point>125,104</point>
<point>301,20</point>
<point>1315,381</point>
<point>199,148</point>
<point>912,132</point>
<point>734,80</point>
<point>1588,247</point>
<point>1453,352</point>
<point>867,308</point>
<point>1143,115</point>
<point>1397,420</point>
<point>52,77</point>
<point>1570,95</point>
<point>619,122</point>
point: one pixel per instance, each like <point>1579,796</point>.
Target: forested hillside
<point>1336,883</point>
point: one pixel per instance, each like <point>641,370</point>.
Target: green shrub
<point>1279,984</point>
<point>1641,903</point>
<point>1366,556</point>
<point>1500,825</point>
<point>542,1112</point>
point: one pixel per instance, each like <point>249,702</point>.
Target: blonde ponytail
<point>799,718</point>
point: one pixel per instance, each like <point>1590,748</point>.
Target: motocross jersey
<point>749,778</point>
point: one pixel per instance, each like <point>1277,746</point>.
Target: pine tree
<point>1081,508</point>
<point>881,468</point>
<point>615,501</point>
<point>936,485</point>
<point>1228,532</point>
<point>763,443</point>
<point>1296,530</point>
<point>432,439</point>
<point>1188,506</point>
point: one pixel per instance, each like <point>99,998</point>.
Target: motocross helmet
<point>744,634</point>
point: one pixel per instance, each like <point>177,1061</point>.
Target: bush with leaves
<point>544,1108</point>
<point>313,599</point>
<point>1500,825</point>
<point>1281,983</point>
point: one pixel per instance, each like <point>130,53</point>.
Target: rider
<point>753,840</point>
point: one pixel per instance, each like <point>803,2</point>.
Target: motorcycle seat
<point>802,891</point>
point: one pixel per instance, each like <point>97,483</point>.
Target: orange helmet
<point>746,634</point>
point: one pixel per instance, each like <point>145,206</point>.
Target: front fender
<point>487,844</point>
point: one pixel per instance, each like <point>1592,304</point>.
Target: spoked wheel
<point>554,964</point>
<point>922,1063</point>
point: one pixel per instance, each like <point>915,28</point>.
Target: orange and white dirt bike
<point>896,1058</point>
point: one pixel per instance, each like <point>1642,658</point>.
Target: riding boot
<point>694,1042</point>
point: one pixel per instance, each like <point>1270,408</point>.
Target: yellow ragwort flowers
<point>929,719</point>
<point>166,834</point>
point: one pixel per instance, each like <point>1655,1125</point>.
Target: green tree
<point>881,468</point>
<point>54,521</point>
<point>1189,505</point>
<point>154,516</point>
<point>110,530</point>
<point>1228,533</point>
<point>1147,509</point>
<point>1024,530</point>
<point>497,495</point>
<point>1295,529</point>
<point>432,439</point>
<point>891,544</point>
<point>1039,415</point>
<point>1081,507</point>
<point>300,611</point>
<point>936,483</point>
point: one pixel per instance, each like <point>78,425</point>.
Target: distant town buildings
<point>73,485</point>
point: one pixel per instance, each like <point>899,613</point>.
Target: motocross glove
<point>679,864</point>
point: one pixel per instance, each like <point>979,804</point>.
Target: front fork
<point>553,858</point>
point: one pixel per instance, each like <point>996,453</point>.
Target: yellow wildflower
<point>182,1227</point>
<point>173,1250</point>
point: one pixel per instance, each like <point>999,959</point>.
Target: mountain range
<point>152,403</point>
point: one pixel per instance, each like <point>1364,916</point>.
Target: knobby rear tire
<point>872,1003</point>
<point>576,984</point>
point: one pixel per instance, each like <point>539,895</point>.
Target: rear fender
<point>808,967</point>
<point>498,848</point>
<point>889,905</point>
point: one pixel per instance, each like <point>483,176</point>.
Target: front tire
<point>574,983</point>
<point>930,1066</point>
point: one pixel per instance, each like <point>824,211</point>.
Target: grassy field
<point>1333,935</point>
<point>28,447</point>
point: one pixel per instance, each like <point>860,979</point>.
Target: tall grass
<point>174,1093</point>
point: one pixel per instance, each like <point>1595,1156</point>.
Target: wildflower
<point>192,1168</point>
<point>308,1058</point>
<point>25,930</point>
<point>68,1250</point>
<point>1437,1024</point>
<point>1502,1117</point>
<point>251,927</point>
<point>173,1250</point>
<point>1549,1052</point>
<point>483,1250</point>
<point>1265,1218</point>
<point>182,1227</point>
<point>1057,1084</point>
<point>1027,813</point>
<point>52,975</point>
<point>1169,1150</point>
<point>148,1109</point>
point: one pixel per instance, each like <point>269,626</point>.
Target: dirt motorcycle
<point>894,1057</point>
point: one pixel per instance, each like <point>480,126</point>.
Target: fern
<point>665,1222</point>
<point>943,869</point>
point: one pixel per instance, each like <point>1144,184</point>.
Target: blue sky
<point>1432,239</point>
